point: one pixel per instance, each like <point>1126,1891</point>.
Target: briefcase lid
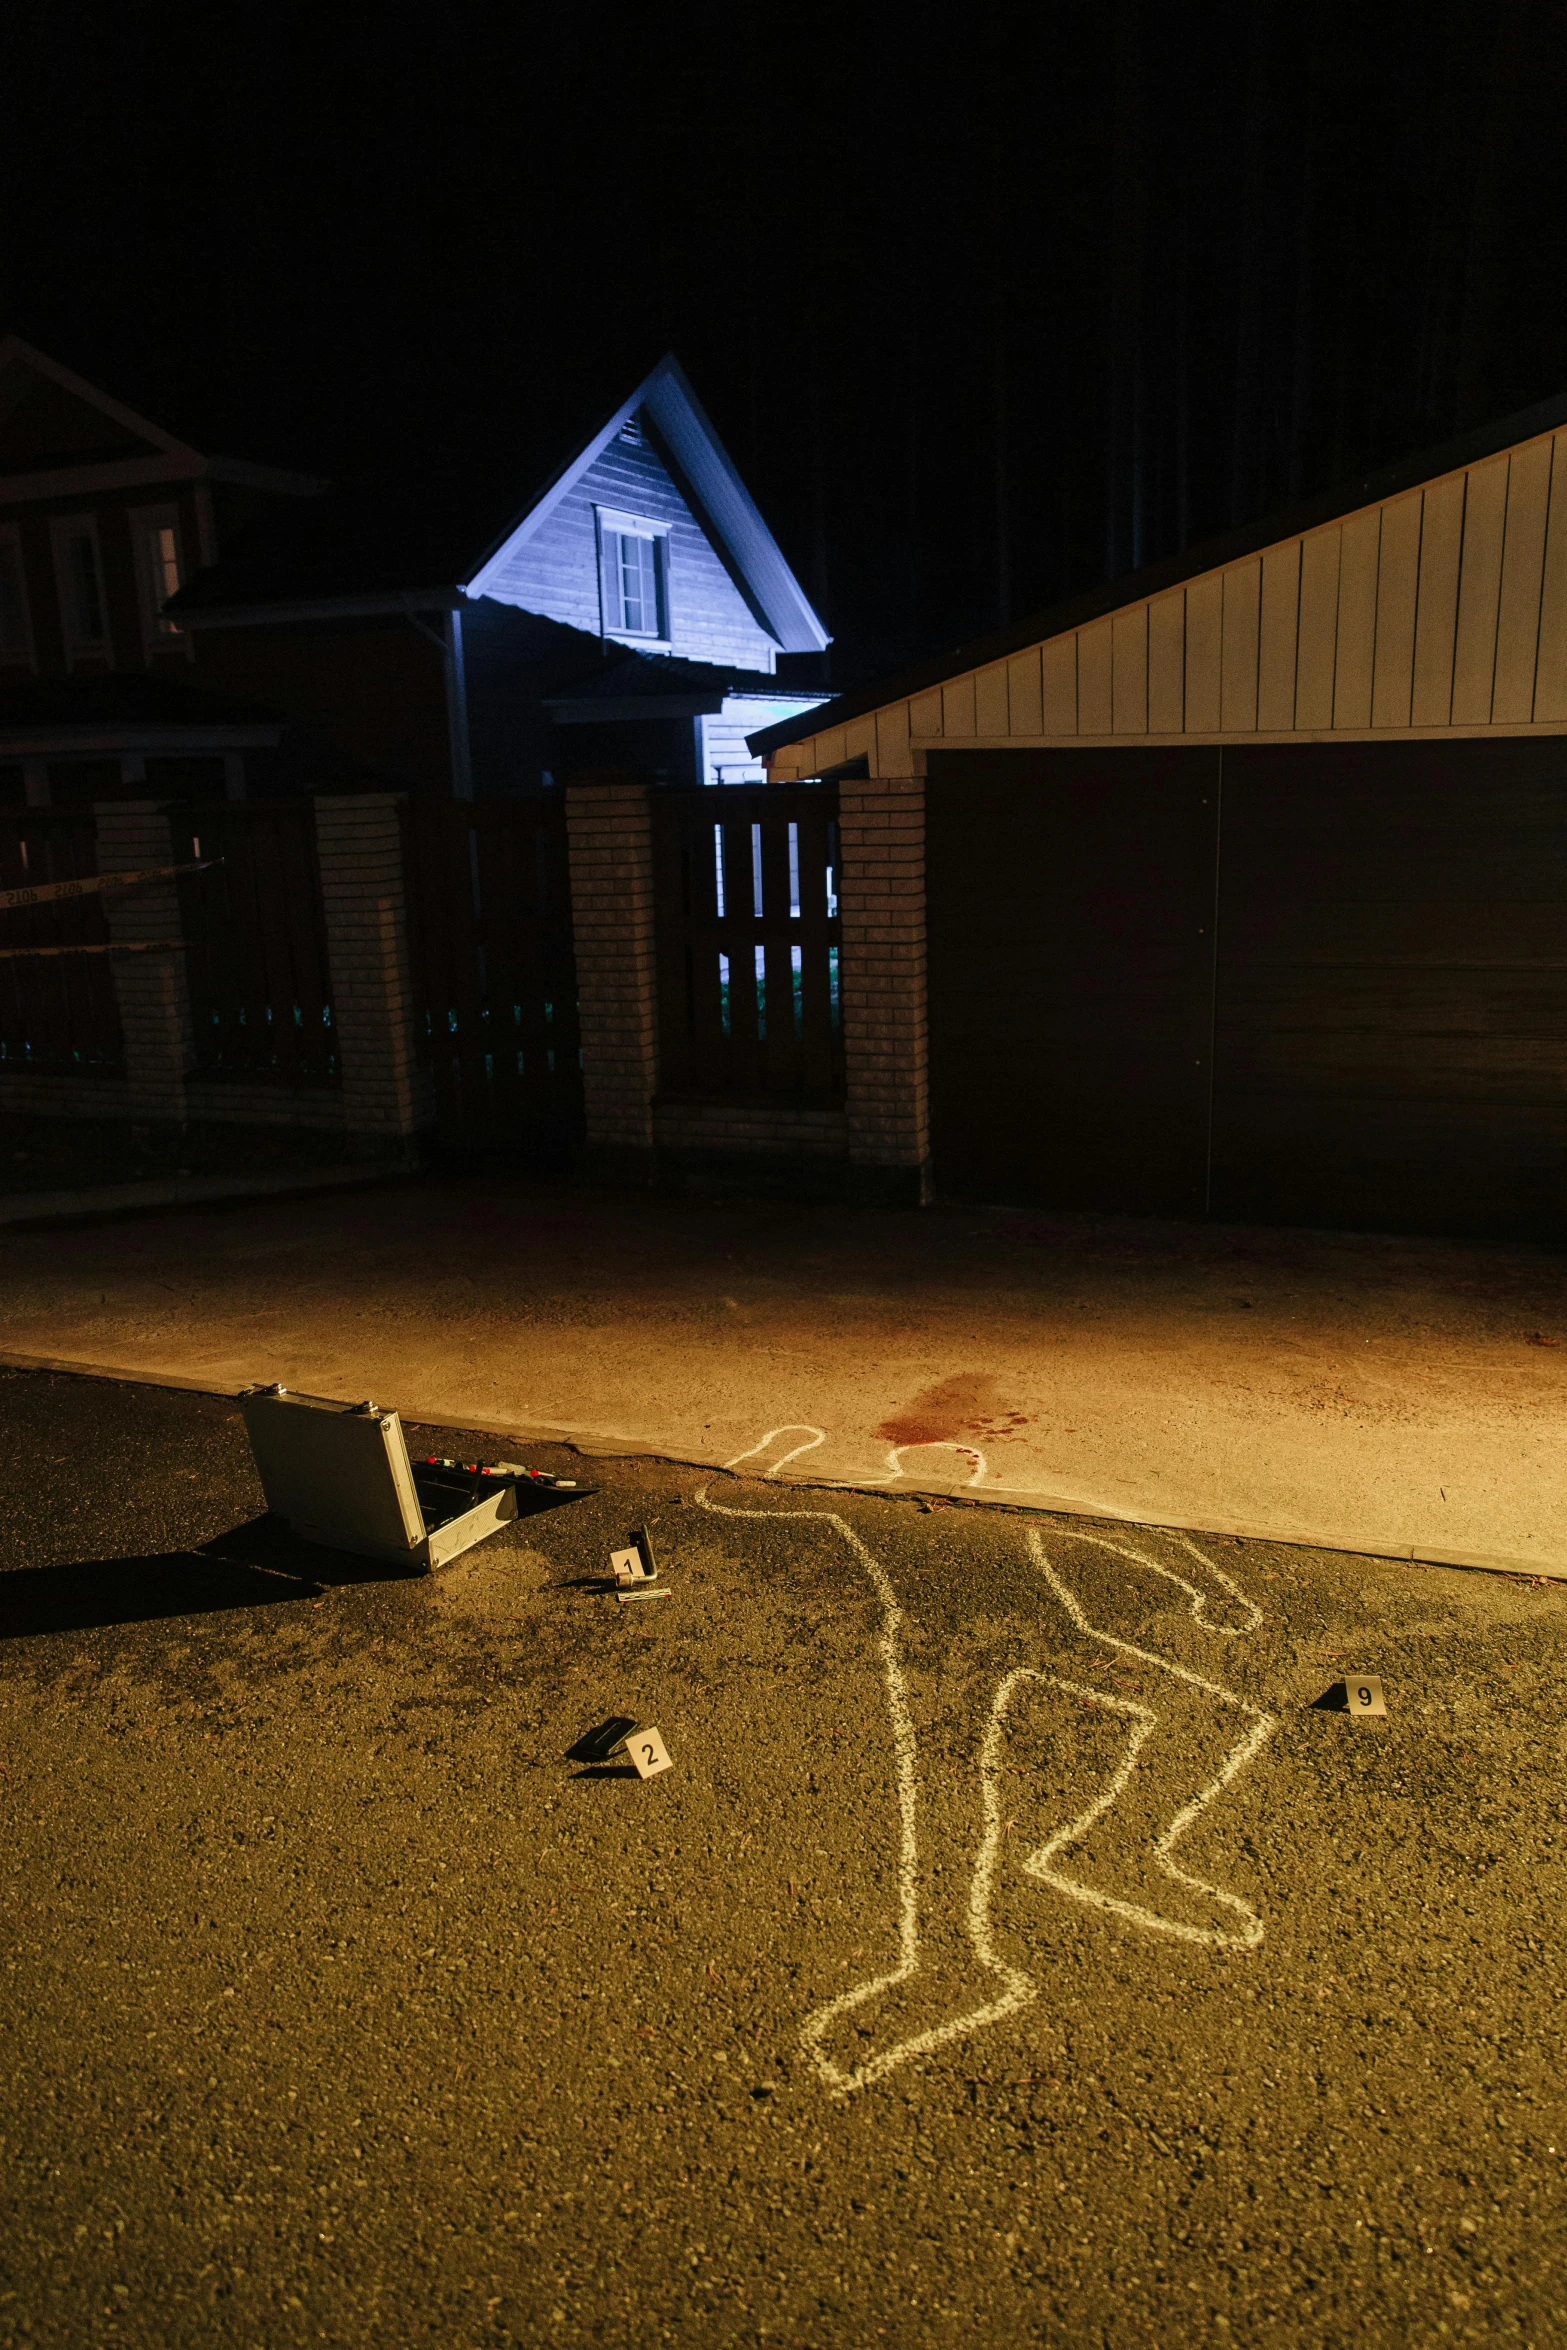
<point>338,1468</point>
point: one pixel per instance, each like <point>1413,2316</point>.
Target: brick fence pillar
<point>609,833</point>
<point>154,999</point>
<point>363,895</point>
<point>881,895</point>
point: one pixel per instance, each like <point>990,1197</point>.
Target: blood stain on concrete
<point>967,1404</point>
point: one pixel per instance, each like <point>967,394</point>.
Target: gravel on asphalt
<point>1014,1948</point>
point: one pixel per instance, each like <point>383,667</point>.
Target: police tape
<point>113,946</point>
<point>47,893</point>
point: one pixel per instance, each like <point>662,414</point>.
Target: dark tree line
<point>990,305</point>
<point>1234,269</point>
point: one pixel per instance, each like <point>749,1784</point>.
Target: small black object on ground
<point>601,1751</point>
<point>1358,1693</point>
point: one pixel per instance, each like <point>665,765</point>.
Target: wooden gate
<point>748,943</point>
<point>494,975</point>
<point>1070,914</point>
<point>58,1013</point>
<point>255,939</point>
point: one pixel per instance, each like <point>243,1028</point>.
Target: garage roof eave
<point>1174,570</point>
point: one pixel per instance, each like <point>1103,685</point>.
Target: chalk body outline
<point>1019,1989</point>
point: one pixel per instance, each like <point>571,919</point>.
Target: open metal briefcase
<point>340,1474</point>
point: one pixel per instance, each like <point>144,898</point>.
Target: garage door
<point>1372,1031</point>
<point>1070,928</point>
<point>1392,998</point>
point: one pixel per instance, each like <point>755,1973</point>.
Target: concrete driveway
<point>1013,1952</point>
<point>1399,1397</point>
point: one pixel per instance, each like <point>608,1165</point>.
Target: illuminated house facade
<point>175,624</point>
<point>632,611</point>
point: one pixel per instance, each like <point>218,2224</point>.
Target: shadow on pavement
<point>258,1564</point>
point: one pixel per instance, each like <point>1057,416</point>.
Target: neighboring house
<point>179,624</point>
<point>103,516</point>
<point>632,611</point>
<point>1239,886</point>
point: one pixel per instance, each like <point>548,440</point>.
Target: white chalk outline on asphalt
<point>895,1453</point>
<point>1021,1989</point>
<point>1038,1864</point>
<point>790,1428</point>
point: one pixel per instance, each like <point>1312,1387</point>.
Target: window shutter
<point>609,576</point>
<point>83,561</point>
<point>648,558</point>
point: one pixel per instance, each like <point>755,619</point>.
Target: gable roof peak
<point>17,355</point>
<point>665,398</point>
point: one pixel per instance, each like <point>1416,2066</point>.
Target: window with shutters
<point>159,573</point>
<point>633,577</point>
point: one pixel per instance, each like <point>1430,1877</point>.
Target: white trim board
<point>1436,611</point>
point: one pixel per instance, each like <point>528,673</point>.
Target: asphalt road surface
<point>1014,1951</point>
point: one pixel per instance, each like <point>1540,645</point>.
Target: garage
<point>1239,887</point>
<point>1320,983</point>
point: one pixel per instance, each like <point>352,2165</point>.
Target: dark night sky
<point>987,303</point>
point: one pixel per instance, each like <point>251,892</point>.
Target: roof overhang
<point>84,481</point>
<point>602,712</point>
<point>706,702</point>
<point>135,473</point>
<point>173,459</point>
<point>113,740</point>
<point>1175,570</point>
<point>400,603</point>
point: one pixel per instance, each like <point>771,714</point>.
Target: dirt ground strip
<point>1013,1948</point>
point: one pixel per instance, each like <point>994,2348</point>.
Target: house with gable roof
<point>634,610</point>
<point>184,625</point>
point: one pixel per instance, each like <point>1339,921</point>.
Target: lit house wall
<point>558,572</point>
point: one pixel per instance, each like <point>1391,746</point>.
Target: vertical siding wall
<point>1444,608</point>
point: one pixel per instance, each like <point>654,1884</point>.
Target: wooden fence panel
<point>256,954</point>
<point>749,943</point>
<point>58,1013</point>
<point>494,973</point>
